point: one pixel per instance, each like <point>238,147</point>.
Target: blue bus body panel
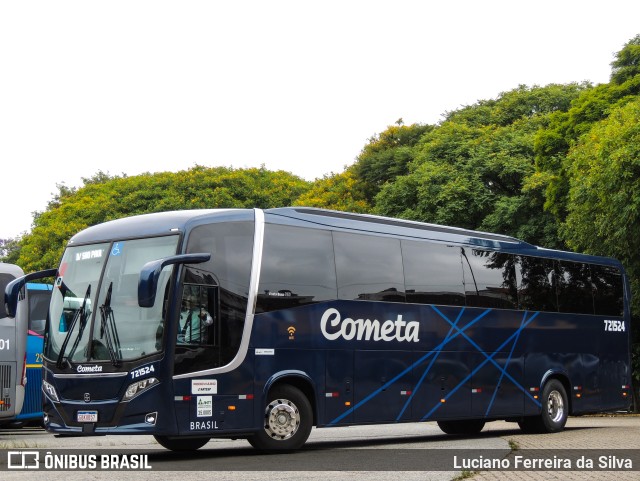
<point>467,362</point>
<point>32,407</point>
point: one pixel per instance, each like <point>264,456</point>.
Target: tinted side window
<point>575,292</point>
<point>433,273</point>
<point>489,279</point>
<point>608,294</point>
<point>297,268</point>
<point>368,267</point>
<point>4,280</point>
<point>536,290</point>
<point>223,286</point>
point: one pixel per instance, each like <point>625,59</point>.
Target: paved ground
<point>594,433</point>
<point>371,452</point>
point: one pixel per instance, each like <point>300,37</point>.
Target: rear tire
<point>181,444</point>
<point>471,426</point>
<point>288,419</point>
<point>555,411</point>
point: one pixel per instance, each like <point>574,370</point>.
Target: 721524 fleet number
<point>614,325</point>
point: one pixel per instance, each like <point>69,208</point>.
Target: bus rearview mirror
<point>12,291</point>
<point>150,273</point>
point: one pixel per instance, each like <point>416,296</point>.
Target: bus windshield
<point>94,313</point>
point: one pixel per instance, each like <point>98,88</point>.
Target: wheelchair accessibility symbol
<point>116,250</point>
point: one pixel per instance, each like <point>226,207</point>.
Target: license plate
<point>87,416</point>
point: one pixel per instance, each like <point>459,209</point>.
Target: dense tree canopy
<point>104,198</point>
<point>555,165</point>
<point>565,128</point>
<point>473,170</point>
<point>603,171</point>
<point>386,157</point>
<point>626,66</point>
<point>338,192</point>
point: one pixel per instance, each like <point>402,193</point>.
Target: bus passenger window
<point>575,292</point>
<point>298,268</point>
<point>369,267</point>
<point>433,273</point>
<point>489,279</point>
<point>608,295</point>
<point>536,289</point>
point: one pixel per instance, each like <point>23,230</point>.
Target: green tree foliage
<point>386,156</point>
<point>473,170</point>
<point>565,128</point>
<point>502,165</point>
<point>556,166</point>
<point>626,66</point>
<point>104,198</point>
<point>337,192</point>
<point>603,172</point>
<point>10,250</point>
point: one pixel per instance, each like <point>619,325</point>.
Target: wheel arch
<point>297,379</point>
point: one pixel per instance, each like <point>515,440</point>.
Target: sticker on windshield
<point>87,255</point>
<point>116,250</point>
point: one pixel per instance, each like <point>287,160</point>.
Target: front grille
<point>5,386</point>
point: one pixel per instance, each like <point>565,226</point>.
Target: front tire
<point>472,426</point>
<point>288,419</point>
<point>181,444</point>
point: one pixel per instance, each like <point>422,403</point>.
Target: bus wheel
<point>472,426</point>
<point>555,410</point>
<point>288,419</point>
<point>555,407</point>
<point>181,444</point>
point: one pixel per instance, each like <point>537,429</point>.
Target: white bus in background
<point>13,341</point>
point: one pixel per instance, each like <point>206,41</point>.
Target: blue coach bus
<point>39,296</point>
<point>261,324</point>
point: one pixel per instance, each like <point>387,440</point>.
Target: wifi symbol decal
<point>291,330</point>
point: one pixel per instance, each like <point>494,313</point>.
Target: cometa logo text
<point>334,327</point>
<point>95,368</point>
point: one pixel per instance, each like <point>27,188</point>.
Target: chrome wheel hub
<point>282,419</point>
<point>555,406</point>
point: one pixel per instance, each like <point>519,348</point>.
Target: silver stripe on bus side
<point>92,375</point>
<point>256,265</point>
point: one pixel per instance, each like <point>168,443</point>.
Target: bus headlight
<point>50,391</point>
<point>138,387</point>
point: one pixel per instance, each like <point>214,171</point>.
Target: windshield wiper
<point>108,328</point>
<point>81,315</point>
